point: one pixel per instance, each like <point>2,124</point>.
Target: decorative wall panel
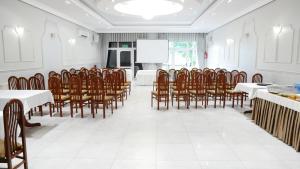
<point>285,45</point>
<point>10,45</point>
<point>26,46</point>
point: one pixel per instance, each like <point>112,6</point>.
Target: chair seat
<point>195,92</point>
<point>84,98</point>
<point>111,92</point>
<point>66,91</point>
<point>215,92</point>
<point>181,92</point>
<point>2,148</point>
<point>65,97</point>
<point>161,92</point>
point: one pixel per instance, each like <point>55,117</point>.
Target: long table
<point>279,116</point>
<point>29,98</point>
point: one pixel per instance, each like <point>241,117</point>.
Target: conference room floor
<point>137,136</point>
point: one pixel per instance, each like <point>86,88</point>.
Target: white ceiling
<point>197,15</point>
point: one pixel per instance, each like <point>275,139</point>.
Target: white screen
<point>152,51</point>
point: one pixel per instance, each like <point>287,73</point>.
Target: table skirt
<point>281,122</point>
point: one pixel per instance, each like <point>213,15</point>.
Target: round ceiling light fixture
<point>148,9</point>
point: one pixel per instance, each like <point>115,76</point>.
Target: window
<point>182,54</point>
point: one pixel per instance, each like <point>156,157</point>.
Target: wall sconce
<point>72,41</point>
<point>277,30</point>
<point>229,41</point>
<point>20,31</point>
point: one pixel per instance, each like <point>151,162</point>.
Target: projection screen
<point>152,51</point>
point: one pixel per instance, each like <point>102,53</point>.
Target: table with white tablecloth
<point>29,99</point>
<point>250,88</point>
<point>280,116</point>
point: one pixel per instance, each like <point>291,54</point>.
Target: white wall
<point>48,42</point>
<point>266,40</point>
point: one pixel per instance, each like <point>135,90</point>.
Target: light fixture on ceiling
<point>148,9</point>
<point>277,30</point>
<point>229,41</point>
<point>229,1</point>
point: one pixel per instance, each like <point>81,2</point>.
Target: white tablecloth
<point>29,98</point>
<point>145,77</point>
<point>286,102</point>
<point>250,88</point>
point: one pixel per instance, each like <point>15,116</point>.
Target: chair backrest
<point>221,82</point>
<point>239,78</point>
<point>72,71</point>
<point>55,87</point>
<point>163,83</point>
<point>233,74</point>
<point>97,89</point>
<point>23,83</point>
<point>245,76</point>
<point>75,87</point>
<point>51,73</point>
<point>34,83</point>
<point>12,118</point>
<point>257,78</point>
<point>228,78</point>
<point>65,78</point>
<point>13,83</point>
<point>40,76</point>
<point>181,81</point>
<point>193,77</point>
<point>200,83</point>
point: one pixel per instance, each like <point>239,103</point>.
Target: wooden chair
<point>234,95</point>
<point>10,148</point>
<point>199,91</point>
<point>23,83</point>
<point>181,89</point>
<point>233,74</point>
<point>65,79</point>
<point>114,88</point>
<point>219,91</point>
<point>35,84</point>
<point>40,76</point>
<point>60,99</point>
<point>125,81</point>
<point>245,76</point>
<point>13,83</point>
<point>257,78</point>
<point>98,95</point>
<point>72,71</point>
<point>156,78</point>
<point>51,73</point>
<point>77,96</point>
<point>161,92</point>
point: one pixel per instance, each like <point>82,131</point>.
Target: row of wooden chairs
<point>92,89</point>
<point>197,85</point>
<point>36,82</point>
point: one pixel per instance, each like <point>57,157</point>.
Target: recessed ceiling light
<point>67,2</point>
<point>228,1</point>
<point>148,9</point>
<point>112,0</point>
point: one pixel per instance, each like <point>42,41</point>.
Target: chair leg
<point>112,107</point>
<point>81,109</point>
<point>60,109</point>
<point>158,102</point>
<point>41,110</point>
<point>242,102</point>
<point>215,103</point>
<point>196,101</point>
<point>93,108</point>
<point>71,107</point>
<point>50,109</point>
<point>104,107</point>
<point>178,101</point>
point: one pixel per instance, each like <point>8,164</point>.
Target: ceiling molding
<point>55,12</point>
<point>244,12</point>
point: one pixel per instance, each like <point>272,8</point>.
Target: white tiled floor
<point>137,136</point>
